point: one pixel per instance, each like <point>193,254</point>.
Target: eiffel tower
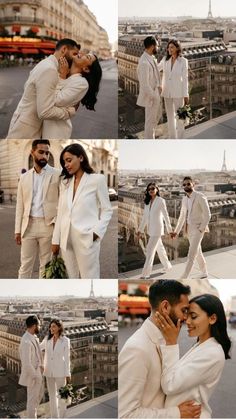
<point>224,167</point>
<point>209,11</point>
<point>91,295</point>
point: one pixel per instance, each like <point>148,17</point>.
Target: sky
<point>174,8</point>
<point>58,287</point>
<point>106,12</point>
<point>176,154</point>
<point>226,288</point>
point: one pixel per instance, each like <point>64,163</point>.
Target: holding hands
<point>169,330</point>
<point>173,234</point>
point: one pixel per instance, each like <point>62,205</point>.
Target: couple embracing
<point>154,382</point>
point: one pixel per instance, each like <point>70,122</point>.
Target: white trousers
<point>194,253</point>
<point>81,262</point>
<point>57,405</point>
<point>37,240</point>
<point>175,126</point>
<point>155,245</point>
<point>152,116</point>
<point>34,396</point>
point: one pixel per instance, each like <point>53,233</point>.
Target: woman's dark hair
<point>177,44</point>
<point>93,78</point>
<point>212,305</point>
<point>59,324</point>
<point>147,198</point>
<point>77,150</point>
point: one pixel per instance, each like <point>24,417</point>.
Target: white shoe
<point>203,275</point>
<point>145,277</point>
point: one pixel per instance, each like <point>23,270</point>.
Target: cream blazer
<point>31,359</point>
<point>149,80</point>
<point>38,102</point>
<point>89,212</point>
<point>154,216</point>
<point>175,80</point>
<point>139,364</point>
<point>25,195</point>
<point>199,213</point>
<point>69,92</point>
<point>57,360</point>
<point>194,376</point>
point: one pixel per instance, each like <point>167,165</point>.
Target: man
<point>195,215</point>
<point>140,369</point>
<point>31,365</point>
<point>37,102</point>
<point>149,87</point>
<point>36,209</point>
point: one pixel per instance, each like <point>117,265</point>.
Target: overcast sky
<point>226,288</point>
<point>58,287</point>
<point>106,12</point>
<point>176,154</point>
<point>175,8</point>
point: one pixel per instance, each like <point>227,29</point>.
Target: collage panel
<point>167,369</point>
<point>59,199</point>
<point>58,348</point>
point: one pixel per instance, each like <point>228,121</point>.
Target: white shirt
<point>37,197</point>
<point>190,200</point>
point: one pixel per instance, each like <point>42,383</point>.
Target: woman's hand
<point>68,380</point>
<point>55,249</point>
<point>169,330</point>
<point>63,67</point>
<point>186,100</point>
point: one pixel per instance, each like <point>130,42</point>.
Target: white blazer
<point>175,80</point>
<point>194,376</point>
<point>38,101</point>
<point>199,216</point>
<point>140,393</point>
<point>31,359</point>
<point>154,216</point>
<point>89,212</point>
<point>57,360</point>
<point>69,92</point>
<point>149,80</point>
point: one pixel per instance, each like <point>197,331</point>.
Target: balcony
<point>21,19</point>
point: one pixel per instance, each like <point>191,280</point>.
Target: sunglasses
<point>151,189</point>
<point>187,184</point>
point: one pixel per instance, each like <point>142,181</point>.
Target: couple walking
<point>50,359</point>
<point>194,217</point>
<point>154,382</point>
<point>53,91</point>
<point>173,88</point>
<point>66,211</point>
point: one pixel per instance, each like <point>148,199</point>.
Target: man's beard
<point>41,163</point>
<point>188,190</point>
<point>69,60</point>
<point>173,317</point>
<point>36,332</point>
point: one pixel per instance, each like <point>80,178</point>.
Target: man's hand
<point>55,249</point>
<point>18,238</point>
<point>63,67</point>
<point>77,106</point>
<point>189,409</point>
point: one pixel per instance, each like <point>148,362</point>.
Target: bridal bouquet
<point>185,114</point>
<point>55,269</point>
<point>67,393</point>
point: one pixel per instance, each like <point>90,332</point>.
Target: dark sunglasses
<point>187,184</point>
<point>151,189</point>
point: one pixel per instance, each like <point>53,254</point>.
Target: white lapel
<point>48,176</point>
<point>80,188</point>
<point>192,202</point>
<point>31,182</point>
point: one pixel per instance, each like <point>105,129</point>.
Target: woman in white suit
<point>56,366</point>
<point>155,213</point>
<point>196,374</point>
<point>80,83</point>
<point>174,86</point>
<point>84,211</point>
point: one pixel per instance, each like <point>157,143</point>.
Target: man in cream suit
<point>149,87</point>
<point>194,216</point>
<point>140,368</point>
<point>31,365</point>
<point>36,209</point>
<point>38,100</point>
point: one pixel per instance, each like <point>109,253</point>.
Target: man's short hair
<point>31,321</point>
<point>36,142</point>
<point>70,43</point>
<point>166,289</point>
<point>149,41</point>
<point>188,178</point>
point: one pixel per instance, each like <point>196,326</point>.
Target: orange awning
<point>139,311</point>
<point>29,50</point>
<point>34,29</point>
<point>47,51</point>
<point>8,50</point>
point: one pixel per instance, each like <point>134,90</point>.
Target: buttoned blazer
<point>149,80</point>
<point>199,213</point>
<point>140,392</point>
<point>37,102</point>
<point>31,359</point>
<point>25,196</point>
<point>175,80</point>
<point>154,216</point>
<point>68,93</point>
<point>57,359</point>
<point>194,376</point>
<point>89,212</point>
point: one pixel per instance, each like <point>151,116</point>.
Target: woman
<point>56,366</point>
<point>154,213</point>
<point>81,85</point>
<point>84,211</point>
<point>196,374</point>
<point>174,86</point>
